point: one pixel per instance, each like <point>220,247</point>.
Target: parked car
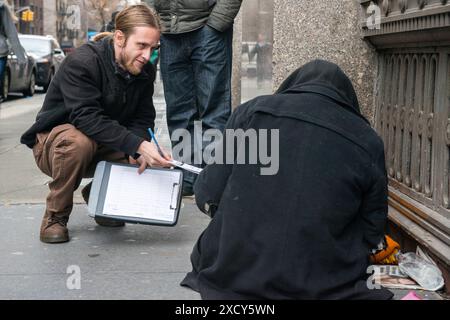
<point>19,77</point>
<point>48,55</point>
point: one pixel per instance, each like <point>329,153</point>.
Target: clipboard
<point>153,198</point>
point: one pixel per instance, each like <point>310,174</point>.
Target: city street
<point>353,83</point>
<point>134,262</point>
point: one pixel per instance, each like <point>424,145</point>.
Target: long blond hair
<point>139,15</point>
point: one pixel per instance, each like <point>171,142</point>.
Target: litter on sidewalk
<point>414,271</point>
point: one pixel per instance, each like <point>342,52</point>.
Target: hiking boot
<point>54,229</point>
<point>107,222</point>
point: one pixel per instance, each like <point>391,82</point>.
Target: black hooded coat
<point>306,232</point>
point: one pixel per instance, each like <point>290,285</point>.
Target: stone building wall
<point>50,18</point>
<point>236,84</point>
<point>305,30</point>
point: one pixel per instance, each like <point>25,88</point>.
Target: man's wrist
<point>140,148</point>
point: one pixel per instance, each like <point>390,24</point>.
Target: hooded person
<point>307,231</point>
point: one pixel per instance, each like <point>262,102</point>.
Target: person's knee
<point>75,145</point>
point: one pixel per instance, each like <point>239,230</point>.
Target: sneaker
<point>54,229</point>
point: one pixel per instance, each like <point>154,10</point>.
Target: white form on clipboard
<point>151,195</point>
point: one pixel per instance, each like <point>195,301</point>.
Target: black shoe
<point>85,192</point>
<point>188,190</point>
<point>107,222</point>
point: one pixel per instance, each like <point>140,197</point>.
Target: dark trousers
<point>196,72</point>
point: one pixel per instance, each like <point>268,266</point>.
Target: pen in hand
<point>150,131</point>
<point>151,155</point>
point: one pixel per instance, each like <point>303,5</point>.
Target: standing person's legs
<point>259,72</point>
<point>63,154</point>
<point>179,92</point>
<point>212,59</point>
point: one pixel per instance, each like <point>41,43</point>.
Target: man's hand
<point>151,157</point>
<point>141,161</point>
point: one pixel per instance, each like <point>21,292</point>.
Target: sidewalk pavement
<point>134,262</point>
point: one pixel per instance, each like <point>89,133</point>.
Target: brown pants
<point>67,155</point>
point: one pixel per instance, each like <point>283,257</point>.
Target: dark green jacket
<point>179,16</point>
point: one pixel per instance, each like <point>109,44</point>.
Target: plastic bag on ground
<point>423,272</point>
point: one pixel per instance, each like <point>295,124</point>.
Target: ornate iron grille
<point>414,121</point>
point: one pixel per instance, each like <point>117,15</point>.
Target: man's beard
<point>128,64</point>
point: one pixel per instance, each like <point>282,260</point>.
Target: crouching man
<point>99,107</point>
